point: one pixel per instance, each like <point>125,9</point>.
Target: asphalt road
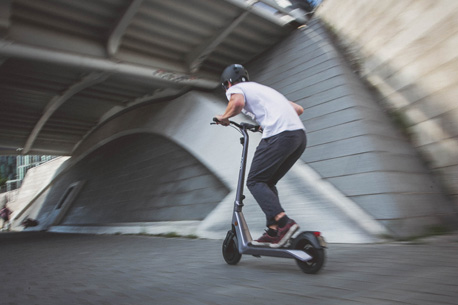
<point>50,268</point>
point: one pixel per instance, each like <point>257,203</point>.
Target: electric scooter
<point>307,248</point>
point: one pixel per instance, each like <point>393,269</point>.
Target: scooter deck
<point>275,252</point>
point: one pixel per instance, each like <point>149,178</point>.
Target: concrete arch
<point>139,177</point>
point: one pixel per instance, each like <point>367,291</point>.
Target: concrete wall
<point>407,50</point>
<point>138,178</point>
<point>352,142</point>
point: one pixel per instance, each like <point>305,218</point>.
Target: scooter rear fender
<point>313,239</point>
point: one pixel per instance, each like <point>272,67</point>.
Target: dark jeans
<point>273,158</point>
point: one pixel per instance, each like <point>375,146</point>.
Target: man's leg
<point>273,159</point>
<point>263,167</point>
<point>291,159</point>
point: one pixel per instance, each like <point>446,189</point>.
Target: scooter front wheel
<point>230,251</point>
<point>305,243</point>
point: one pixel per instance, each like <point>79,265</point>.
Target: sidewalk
<point>48,268</point>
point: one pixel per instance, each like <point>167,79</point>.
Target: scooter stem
<point>241,182</point>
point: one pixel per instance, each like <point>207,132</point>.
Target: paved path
<point>49,268</point>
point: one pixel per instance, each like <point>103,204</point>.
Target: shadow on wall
<point>140,177</point>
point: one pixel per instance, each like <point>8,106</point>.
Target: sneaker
<point>265,240</point>
<point>285,233</point>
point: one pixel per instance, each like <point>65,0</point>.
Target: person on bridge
<point>283,142</point>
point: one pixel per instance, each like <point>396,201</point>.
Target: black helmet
<point>234,74</point>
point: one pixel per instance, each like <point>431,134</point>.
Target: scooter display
<point>307,248</point>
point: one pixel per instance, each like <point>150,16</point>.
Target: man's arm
<point>234,107</point>
<point>298,108</point>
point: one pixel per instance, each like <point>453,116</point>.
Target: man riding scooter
<point>283,142</point>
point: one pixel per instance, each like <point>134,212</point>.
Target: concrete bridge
<point>159,167</point>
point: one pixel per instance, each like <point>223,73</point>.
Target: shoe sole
<point>287,236</point>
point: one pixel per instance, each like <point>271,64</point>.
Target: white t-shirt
<point>271,109</point>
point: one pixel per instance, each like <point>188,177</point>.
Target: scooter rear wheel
<point>230,251</point>
<point>302,242</point>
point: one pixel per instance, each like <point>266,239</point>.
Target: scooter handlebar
<point>246,126</point>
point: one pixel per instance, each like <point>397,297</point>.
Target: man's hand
<point>222,121</point>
